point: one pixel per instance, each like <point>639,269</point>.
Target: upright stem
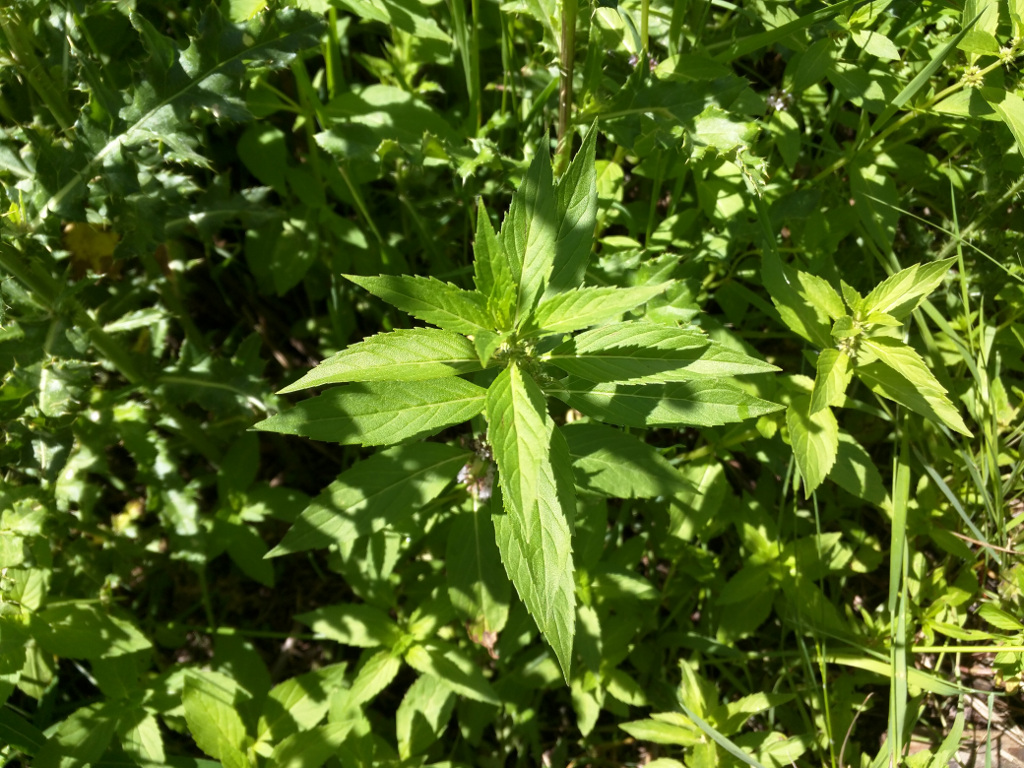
<point>475,93</point>
<point>569,11</point>
<point>645,13</point>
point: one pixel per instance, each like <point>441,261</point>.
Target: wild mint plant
<point>858,335</point>
<point>530,334</point>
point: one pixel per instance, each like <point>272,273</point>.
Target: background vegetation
<point>834,583</point>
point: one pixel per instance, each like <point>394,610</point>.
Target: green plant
<point>529,299</point>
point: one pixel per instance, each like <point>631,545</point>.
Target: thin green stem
<point>565,71</point>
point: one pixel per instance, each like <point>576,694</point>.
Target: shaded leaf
<point>576,214</point>
<point>584,307</point>
<point>528,235</point>
<point>378,413</point>
<point>831,378</point>
<point>381,490</point>
<point>815,440</point>
<point>699,403</point>
<point>619,465</point>
<point>477,586</point>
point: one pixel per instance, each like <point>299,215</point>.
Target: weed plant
<point>420,383</point>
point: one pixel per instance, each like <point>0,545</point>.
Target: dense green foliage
<point>669,365</point>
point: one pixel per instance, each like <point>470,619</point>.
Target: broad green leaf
<point>528,235</point>
<point>311,748</point>
<point>831,378</point>
<point>999,618</point>
<point>584,307</point>
<point>359,625</point>
<point>80,739</point>
<point>720,131</point>
<point>985,14</point>
<point>902,375</point>
<point>379,413</point>
<point>852,298</point>
<point>815,440</point>
<point>876,44</point>
<point>1017,16</point>
<point>900,294</point>
<point>576,209</point>
<point>534,533</point>
<point>373,677</point>
<point>647,352</point>
<point>410,16</point>
<point>845,328</point>
<point>697,403</point>
<point>611,462</point>
<point>299,703</point>
<point>820,294</point>
<point>403,355</point>
<point>492,273</point>
<point>82,631</point>
<point>211,702</point>
<point>486,345</point>
<point>876,201</point>
<point>477,586</point>
<point>423,714</point>
<point>458,672</point>
<point>428,299</point>
<point>798,297</point>
<point>660,732</point>
<point>381,490</point>
<point>587,707</point>
<point>856,473</point>
<point>19,733</point>
<point>140,737</point>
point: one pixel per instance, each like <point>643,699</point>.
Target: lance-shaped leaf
<point>647,352</point>
<point>584,307</point>
<point>403,355</point>
<point>613,463</point>
<point>901,375</point>
<point>477,586</point>
<point>815,441</point>
<point>442,304</point>
<point>528,235</point>
<point>831,379</point>
<point>694,403</point>
<point>380,413</point>
<point>534,534</point>
<point>379,491</point>
<point>492,273</point>
<point>576,208</point>
<point>900,294</point>
<point>803,300</point>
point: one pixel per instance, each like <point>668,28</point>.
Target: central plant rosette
<point>530,331</point>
